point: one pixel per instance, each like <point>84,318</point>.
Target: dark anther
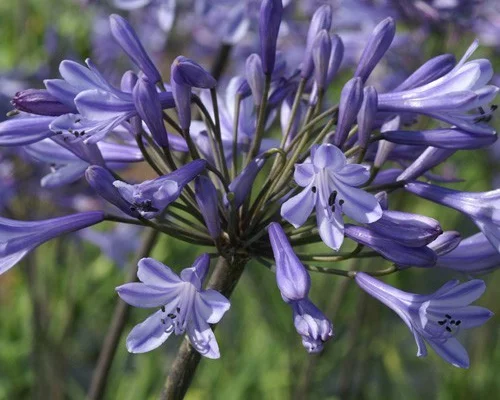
<point>341,202</point>
<point>132,208</point>
<point>452,322</point>
<point>171,316</point>
<point>313,189</point>
<point>481,110</point>
<point>493,107</point>
<point>77,120</point>
<point>163,308</point>
<point>458,322</point>
<point>163,321</point>
<point>178,309</point>
<point>448,329</point>
<point>331,199</point>
<point>442,322</point>
<point>333,208</point>
<point>448,316</point>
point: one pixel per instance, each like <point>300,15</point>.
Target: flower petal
<point>330,226</point>
<point>461,295</point>
<point>328,156</point>
<point>156,274</point>
<point>202,338</point>
<point>358,204</point>
<point>140,295</point>
<point>148,335</point>
<point>451,351</point>
<point>297,209</point>
<point>304,174</point>
<point>211,305</point>
<point>353,174</point>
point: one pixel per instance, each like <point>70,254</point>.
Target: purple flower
<point>292,278</point>
<point>184,306</point>
<point>482,207</point>
<point>18,238</point>
<point>126,37</point>
<point>151,197</point>
<point>450,138</point>
<point>271,12</point>
<point>391,249</point>
<point>321,51</point>
<point>310,323</point>
<point>330,185</point>
<point>449,97</point>
<point>435,318</point>
<point>241,186</point>
<point>474,255</point>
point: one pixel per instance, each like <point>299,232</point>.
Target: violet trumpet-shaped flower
<point>435,318</point>
<point>330,185</point>
<point>292,278</point>
<point>482,207</point>
<point>184,306</point>
<point>207,199</point>
<point>271,12</point>
<point>379,42</point>
<point>400,254</point>
<point>310,323</point>
<point>450,138</point>
<point>449,97</point>
<point>126,37</point>
<point>474,255</point>
<point>151,197</point>
<point>18,238</point>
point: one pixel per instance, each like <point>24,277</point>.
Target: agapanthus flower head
<point>435,318</point>
<point>184,306</point>
<point>329,184</point>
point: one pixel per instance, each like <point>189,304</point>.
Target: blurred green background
<point>56,306</point>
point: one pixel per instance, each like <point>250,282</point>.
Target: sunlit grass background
<point>56,306</point>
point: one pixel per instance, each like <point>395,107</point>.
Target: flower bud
<point>255,77</point>
<point>291,276</point>
<point>379,42</point>
<point>189,73</point>
<point>336,56</point>
<point>366,115</point>
<point>321,50</point>
<point>271,12</point>
<point>322,19</point>
<point>128,81</point>
<point>350,102</point>
<point>242,184</point>
<point>384,147</point>
<point>431,157</point>
<point>40,102</point>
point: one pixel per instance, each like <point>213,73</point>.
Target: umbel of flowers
<point>260,165</point>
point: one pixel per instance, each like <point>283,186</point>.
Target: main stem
<point>223,279</point>
<point>108,350</point>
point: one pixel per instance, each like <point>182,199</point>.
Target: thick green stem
<point>224,279</point>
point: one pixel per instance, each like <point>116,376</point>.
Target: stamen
<point>442,322</point>
<point>448,329</point>
<point>458,322</point>
<point>313,189</point>
<point>331,199</point>
<point>163,308</point>
<point>448,316</point>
